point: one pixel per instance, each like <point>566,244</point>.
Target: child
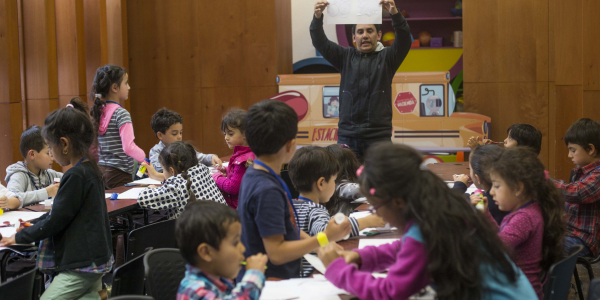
<point>313,170</point>
<point>346,188</point>
<point>265,205</point>
<point>80,105</point>
<point>186,181</point>
<point>168,128</point>
<point>481,156</point>
<point>582,194</point>
<point>229,180</point>
<point>208,235</point>
<point>8,199</point>
<point>116,146</point>
<point>445,242</point>
<point>534,228</point>
<point>33,178</point>
<point>75,236</point>
<point>333,107</point>
<point>519,134</point>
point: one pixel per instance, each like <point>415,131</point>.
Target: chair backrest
<point>594,293</point>
<point>558,284</point>
<point>128,279</point>
<point>19,288</point>
<point>164,270</point>
<point>154,236</point>
<point>132,297</point>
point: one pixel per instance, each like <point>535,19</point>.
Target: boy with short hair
<point>582,195</point>
<point>208,236</point>
<point>168,128</point>
<point>313,171</point>
<point>265,204</point>
<point>518,134</point>
<point>32,179</point>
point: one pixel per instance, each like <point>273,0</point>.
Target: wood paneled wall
<point>200,58</point>
<point>536,62</point>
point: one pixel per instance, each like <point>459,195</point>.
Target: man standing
<point>367,72</point>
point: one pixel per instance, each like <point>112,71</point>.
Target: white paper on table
<point>225,164</point>
<point>145,181</point>
<point>471,189</point>
<point>450,184</point>
<point>301,288</point>
<point>353,12</point>
<point>360,214</point>
<point>107,195</point>
<point>314,261</point>
<point>8,231</point>
<point>13,218</point>
<point>362,243</point>
<point>387,228</point>
<point>360,200</point>
<point>131,194</point>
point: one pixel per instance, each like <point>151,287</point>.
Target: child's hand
<point>351,257</point>
<point>329,253</point>
<point>374,221</point>
<point>463,178</point>
<point>3,202</point>
<point>336,232</point>
<point>152,186</point>
<point>486,142</point>
<point>216,161</point>
<point>7,241</point>
<point>257,262</point>
<point>475,199</point>
<point>52,190</point>
<point>473,142</point>
<point>152,173</point>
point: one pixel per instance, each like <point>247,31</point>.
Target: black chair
<point>20,288</point>
<point>164,269</point>
<point>594,292</point>
<point>128,279</point>
<point>132,297</point>
<point>558,284</point>
<point>154,236</point>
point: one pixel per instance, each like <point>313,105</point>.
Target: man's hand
<point>390,6</point>
<point>320,7</point>
<point>216,161</point>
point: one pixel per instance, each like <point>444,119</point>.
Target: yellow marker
<point>244,263</point>
<point>1,211</point>
<point>322,238</point>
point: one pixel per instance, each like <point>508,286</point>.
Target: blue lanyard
<point>113,102</point>
<point>526,204</point>
<point>285,187</point>
<point>31,179</point>
<point>304,198</point>
<point>80,161</point>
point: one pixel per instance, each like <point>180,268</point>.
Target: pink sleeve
<point>491,219</point>
<point>129,146</point>
<point>517,230</point>
<point>379,258</point>
<point>231,183</point>
<point>406,277</point>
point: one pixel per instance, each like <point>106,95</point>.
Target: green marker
<point>244,263</point>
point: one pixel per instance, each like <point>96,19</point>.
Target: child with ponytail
<point>534,227</point>
<point>446,243</point>
<point>116,146</point>
<point>186,181</point>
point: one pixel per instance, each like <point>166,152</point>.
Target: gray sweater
<point>30,188</point>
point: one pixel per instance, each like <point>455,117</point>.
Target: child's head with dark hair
<point>176,159</point>
<point>271,128</point>
<point>208,235</point>
<point>480,158</point>
<point>79,105</point>
<point>457,238</point>
<point>34,150</point>
<point>69,133</point>
<point>521,134</point>
<point>583,141</point>
<point>348,166</point>
<point>167,126</point>
<point>110,84</point>
<point>234,128</point>
<point>518,177</point>
<point>314,170</point>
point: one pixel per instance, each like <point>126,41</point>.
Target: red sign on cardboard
<point>405,102</point>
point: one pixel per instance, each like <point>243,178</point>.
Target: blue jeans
<point>360,146</point>
<point>573,241</point>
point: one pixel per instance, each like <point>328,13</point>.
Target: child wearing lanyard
<point>265,205</point>
<point>75,235</point>
<point>534,227</point>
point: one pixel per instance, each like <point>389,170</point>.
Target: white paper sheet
<point>13,217</point>
<point>471,189</point>
<point>360,200</point>
<point>360,214</point>
<point>145,181</point>
<point>304,288</point>
<point>353,12</point>
<point>131,194</point>
<point>387,228</point>
<point>107,195</point>
<point>314,261</point>
<point>374,242</point>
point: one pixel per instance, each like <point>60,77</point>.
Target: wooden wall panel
<point>96,54</point>
<point>481,42</point>
<point>591,105</point>
<point>568,42</point>
<point>569,108</point>
<point>10,132</point>
<point>591,45</point>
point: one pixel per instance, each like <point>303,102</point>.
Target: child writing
<point>519,134</point>
<point>481,156</point>
<point>186,181</point>
<point>265,205</point>
<point>346,188</point>
<point>582,194</point>
<point>75,236</point>
<point>116,146</point>
<point>33,178</point>
<point>208,236</point>
<point>313,171</point>
<point>168,128</point>
<point>229,180</point>
<point>534,228</point>
<point>445,242</point>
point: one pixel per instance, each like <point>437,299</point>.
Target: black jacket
<point>495,211</point>
<point>366,85</point>
<point>78,222</point>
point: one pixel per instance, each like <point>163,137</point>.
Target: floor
<point>585,281</point>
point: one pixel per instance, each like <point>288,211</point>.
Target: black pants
<point>360,146</point>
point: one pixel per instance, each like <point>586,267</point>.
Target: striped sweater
<point>111,151</point>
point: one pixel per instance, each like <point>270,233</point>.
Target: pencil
<point>244,263</point>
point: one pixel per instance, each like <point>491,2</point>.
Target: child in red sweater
<point>229,179</point>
